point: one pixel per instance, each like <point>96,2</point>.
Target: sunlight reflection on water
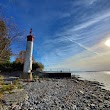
<point>107,72</point>
<point>102,77</point>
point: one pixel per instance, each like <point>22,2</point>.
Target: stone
<point>74,107</point>
<point>81,92</point>
<point>92,106</point>
<point>6,92</point>
<point>85,108</point>
<point>61,94</point>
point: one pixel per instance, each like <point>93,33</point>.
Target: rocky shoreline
<point>59,94</point>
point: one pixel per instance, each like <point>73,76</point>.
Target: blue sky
<point>67,33</point>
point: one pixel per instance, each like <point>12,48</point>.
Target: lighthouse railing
<point>57,70</point>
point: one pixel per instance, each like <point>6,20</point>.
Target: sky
<point>68,34</point>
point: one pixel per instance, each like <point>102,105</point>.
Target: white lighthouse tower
<point>28,60</point>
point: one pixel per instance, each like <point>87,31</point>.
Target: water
<point>102,77</point>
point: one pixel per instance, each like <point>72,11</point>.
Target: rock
<point>26,103</point>
<point>98,99</point>
<point>92,106</point>
<point>101,106</point>
<point>16,90</point>
<point>16,107</point>
<point>0,86</point>
<point>107,97</point>
<point>14,98</point>
<point>7,82</point>
<point>4,102</point>
<point>60,94</point>
<point>107,105</point>
<point>88,97</point>
<point>62,106</point>
<point>31,108</point>
<point>81,92</point>
<point>36,102</point>
<point>74,107</point>
<point>6,92</point>
<point>85,108</point>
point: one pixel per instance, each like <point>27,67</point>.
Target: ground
<point>60,94</point>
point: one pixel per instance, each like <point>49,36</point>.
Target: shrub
<point>10,67</point>
<point>1,79</point>
<point>8,88</point>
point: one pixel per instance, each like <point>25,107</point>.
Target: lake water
<point>102,77</point>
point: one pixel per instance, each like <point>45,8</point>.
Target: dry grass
<point>1,95</point>
<point>8,88</point>
<point>1,79</point>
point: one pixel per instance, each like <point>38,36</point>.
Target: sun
<point>107,43</point>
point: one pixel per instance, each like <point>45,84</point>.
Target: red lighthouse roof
<point>30,37</point>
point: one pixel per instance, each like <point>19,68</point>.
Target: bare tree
<point>8,33</point>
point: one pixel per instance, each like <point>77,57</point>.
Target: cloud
<point>67,30</point>
<point>86,60</point>
<point>95,19</point>
<point>82,46</point>
<point>74,34</point>
<point>92,1</point>
<point>77,39</point>
<point>83,61</point>
<point>85,2</point>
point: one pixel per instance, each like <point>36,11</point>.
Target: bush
<point>8,88</point>
<point>37,65</point>
<point>10,67</point>
<point>1,79</point>
<point>16,82</point>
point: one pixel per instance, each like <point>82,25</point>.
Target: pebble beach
<point>58,94</point>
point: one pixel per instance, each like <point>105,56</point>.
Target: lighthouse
<point>28,59</point>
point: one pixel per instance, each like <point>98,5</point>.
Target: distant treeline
<point>10,67</point>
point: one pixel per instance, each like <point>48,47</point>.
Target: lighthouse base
<point>30,78</point>
<point>27,76</point>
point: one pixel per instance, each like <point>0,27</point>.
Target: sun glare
<point>107,43</point>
